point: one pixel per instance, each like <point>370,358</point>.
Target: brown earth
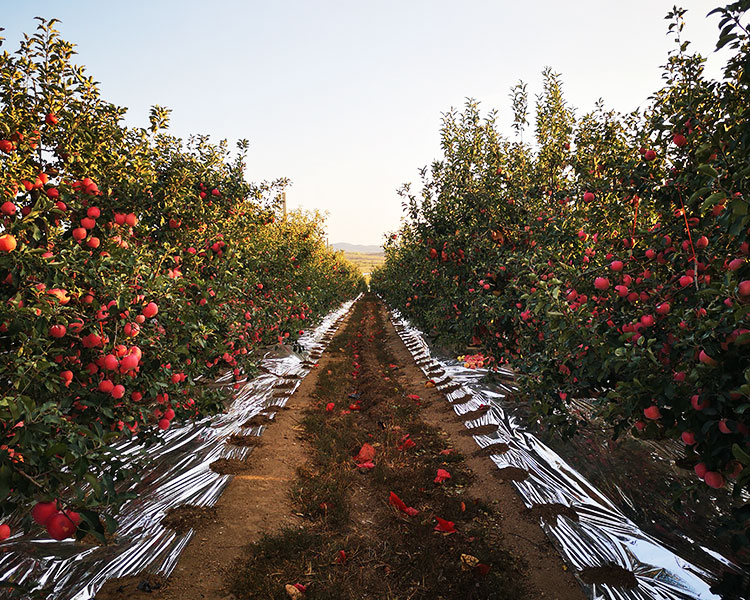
<point>259,499</point>
<point>548,576</point>
<point>255,502</point>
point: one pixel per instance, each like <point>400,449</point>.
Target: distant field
<point>365,261</point>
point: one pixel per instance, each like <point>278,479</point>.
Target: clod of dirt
<point>613,575</point>
<point>228,466</point>
<point>134,587</point>
<point>449,388</point>
<point>494,448</point>
<point>549,512</point>
<point>481,430</point>
<point>685,463</point>
<point>257,421</point>
<point>473,414</point>
<point>186,517</point>
<point>461,399</point>
<point>244,441</point>
<point>284,385</point>
<point>511,474</point>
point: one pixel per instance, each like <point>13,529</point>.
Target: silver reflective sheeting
<point>603,535</point>
<point>177,473</point>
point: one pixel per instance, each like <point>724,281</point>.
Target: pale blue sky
<point>344,97</point>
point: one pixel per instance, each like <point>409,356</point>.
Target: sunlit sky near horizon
<point>344,97</point>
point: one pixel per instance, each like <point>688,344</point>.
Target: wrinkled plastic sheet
<point>177,473</point>
<point>603,536</point>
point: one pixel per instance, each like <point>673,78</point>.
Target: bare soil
<point>270,504</point>
<point>254,503</point>
<point>546,574</point>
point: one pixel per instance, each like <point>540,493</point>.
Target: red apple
<point>111,362</point>
<point>688,437</point>
<point>652,412</point>
<point>57,331</point>
<point>43,512</point>
<point>7,243</point>
<point>663,308</point>
<point>150,310</point>
<point>699,404</point>
<point>706,359</point>
<point>714,479</point>
<point>60,526</point>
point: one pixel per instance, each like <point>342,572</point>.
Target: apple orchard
<point>135,269</point>
<point>610,262</point>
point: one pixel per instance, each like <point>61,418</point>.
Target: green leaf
<point>712,200</point>
<point>706,169</point>
<point>740,454</point>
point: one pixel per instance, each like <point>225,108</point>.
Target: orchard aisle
<point>366,486</point>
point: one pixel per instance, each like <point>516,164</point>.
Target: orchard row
<point>134,270</point>
<point>610,262</point>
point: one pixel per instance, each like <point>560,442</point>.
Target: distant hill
<point>358,248</point>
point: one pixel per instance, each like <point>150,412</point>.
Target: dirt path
<point>328,507</point>
<point>255,502</point>
<point>547,576</point>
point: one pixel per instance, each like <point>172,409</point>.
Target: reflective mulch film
<point>602,536</point>
<point>177,474</point>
